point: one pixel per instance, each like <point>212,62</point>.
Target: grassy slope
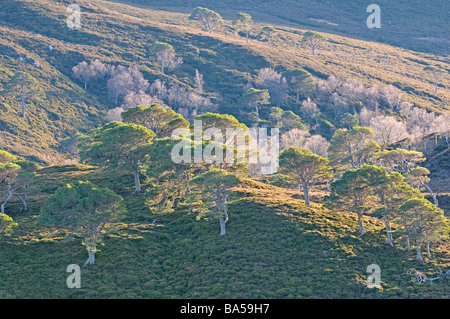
<point>67,108</point>
<point>275,248</point>
<point>412,24</point>
<point>119,33</point>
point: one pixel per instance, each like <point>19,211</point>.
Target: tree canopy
<point>156,118</point>
<point>314,40</point>
<point>26,88</point>
<point>83,209</point>
<point>305,166</point>
<point>118,144</point>
<point>209,18</point>
<point>214,187</point>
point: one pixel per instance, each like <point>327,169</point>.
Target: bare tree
<point>339,105</point>
<point>392,96</point>
<point>119,84</point>
<point>310,109</point>
<point>318,145</point>
<point>139,83</point>
<point>295,137</point>
<point>371,97</point>
<point>124,80</point>
<point>365,116</point>
<point>199,82</point>
<point>165,56</point>
<point>84,73</point>
<point>114,114</point>
<point>387,129</point>
<point>437,73</point>
<point>159,89</point>
<point>418,121</point>
<point>270,79</point>
<point>87,72</point>
<point>132,99</point>
<point>188,103</point>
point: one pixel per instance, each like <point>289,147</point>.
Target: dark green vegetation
<point>274,248</point>
<point>276,245</point>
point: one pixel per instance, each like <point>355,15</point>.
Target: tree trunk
<point>436,203</point>
<point>428,251</point>
<point>408,246</point>
<point>389,241</point>
<point>352,160</point>
<point>306,193</point>
<point>223,220</point>
<point>419,252</point>
<point>6,201</point>
<point>22,97</point>
<point>24,201</point>
<point>137,182</point>
<point>257,112</point>
<point>268,40</point>
<point>246,35</point>
<point>223,223</point>
<point>360,224</point>
<point>297,97</point>
<point>91,258</point>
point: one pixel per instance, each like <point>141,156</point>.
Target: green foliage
<point>418,176</point>
<point>83,209</point>
<point>285,120</point>
<point>252,98</point>
<point>349,121</point>
<point>399,159</point>
<point>6,224</point>
<point>348,146</point>
<point>304,166</point>
<point>159,47</point>
<point>180,258</point>
<point>157,119</point>
<point>25,87</point>
<point>220,121</point>
<point>214,188</point>
<point>209,18</point>
<point>314,40</point>
<point>243,22</point>
<point>118,144</point>
<point>300,82</point>
<point>6,157</point>
<point>8,175</point>
<point>274,240</point>
<point>268,31</point>
<point>353,191</point>
<point>169,179</point>
<point>423,222</point>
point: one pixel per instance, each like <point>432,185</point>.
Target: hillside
<point>120,34</point>
<point>408,24</point>
<point>275,248</point>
